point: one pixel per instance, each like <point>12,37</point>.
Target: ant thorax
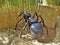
<point>31,20</point>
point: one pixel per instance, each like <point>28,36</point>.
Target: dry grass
<point>8,16</point>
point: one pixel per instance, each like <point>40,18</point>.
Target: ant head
<point>26,15</point>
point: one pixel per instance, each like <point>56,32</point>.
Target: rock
<point>4,39</point>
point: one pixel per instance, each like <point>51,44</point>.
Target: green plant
<point>2,2</point>
<point>14,2</point>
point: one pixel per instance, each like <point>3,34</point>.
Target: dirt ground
<point>9,37</point>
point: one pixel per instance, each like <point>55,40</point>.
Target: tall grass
<point>12,8</point>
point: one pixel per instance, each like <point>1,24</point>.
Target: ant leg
<point>43,23</point>
<point>17,23</point>
<point>19,20</point>
<point>44,26</point>
<point>36,15</point>
<point>21,14</point>
<point>23,28</point>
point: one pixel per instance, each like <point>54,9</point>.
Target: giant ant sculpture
<point>34,25</point>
